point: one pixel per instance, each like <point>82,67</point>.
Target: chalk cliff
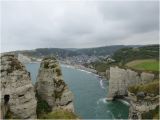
<point>17,91</point>
<point>51,87</point>
<point>121,79</point>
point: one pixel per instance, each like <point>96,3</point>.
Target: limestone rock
<point>121,79</point>
<point>51,87</point>
<point>17,91</point>
<point>138,107</point>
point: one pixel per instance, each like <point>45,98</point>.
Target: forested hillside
<point>125,55</point>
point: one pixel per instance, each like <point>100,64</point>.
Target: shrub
<point>46,64</point>
<point>42,106</point>
<point>58,71</point>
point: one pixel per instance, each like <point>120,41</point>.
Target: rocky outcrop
<point>140,107</point>
<point>121,79</point>
<point>17,91</point>
<point>51,87</point>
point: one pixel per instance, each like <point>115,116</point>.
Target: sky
<point>77,24</point>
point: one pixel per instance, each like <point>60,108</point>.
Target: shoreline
<point>85,69</point>
<point>82,68</point>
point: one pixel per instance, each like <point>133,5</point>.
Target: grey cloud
<point>138,16</point>
<point>33,24</point>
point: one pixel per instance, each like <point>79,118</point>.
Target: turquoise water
<point>89,94</point>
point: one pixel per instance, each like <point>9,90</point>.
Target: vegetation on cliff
<point>59,114</point>
<point>152,114</point>
<point>42,107</point>
<point>149,88</point>
<point>52,92</point>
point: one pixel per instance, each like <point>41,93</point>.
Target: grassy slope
<point>59,114</point>
<point>146,65</point>
<point>151,88</point>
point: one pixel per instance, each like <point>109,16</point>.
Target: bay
<point>89,94</point>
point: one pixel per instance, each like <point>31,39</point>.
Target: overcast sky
<point>67,24</point>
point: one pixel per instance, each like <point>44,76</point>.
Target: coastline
<point>85,69</point>
<point>90,71</point>
<point>81,68</point>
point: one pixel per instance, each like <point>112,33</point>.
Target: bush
<point>58,71</point>
<point>46,64</point>
<point>42,106</point>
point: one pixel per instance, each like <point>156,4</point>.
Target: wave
<point>124,102</point>
<point>73,67</point>
<point>84,71</point>
<point>102,100</point>
<point>101,83</point>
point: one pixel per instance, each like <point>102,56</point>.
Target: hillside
<point>70,52</point>
<point>145,65</point>
<point>125,55</point>
<point>100,51</point>
<point>128,54</point>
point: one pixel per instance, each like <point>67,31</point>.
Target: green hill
<point>69,52</point>
<point>145,65</point>
<point>125,55</point>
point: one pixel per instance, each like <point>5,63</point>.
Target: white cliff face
<point>17,91</point>
<point>51,87</point>
<point>121,79</point>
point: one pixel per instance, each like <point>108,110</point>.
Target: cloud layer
<point>68,24</point>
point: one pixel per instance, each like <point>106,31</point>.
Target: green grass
<point>146,65</point>
<point>42,107</point>
<point>59,114</point>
